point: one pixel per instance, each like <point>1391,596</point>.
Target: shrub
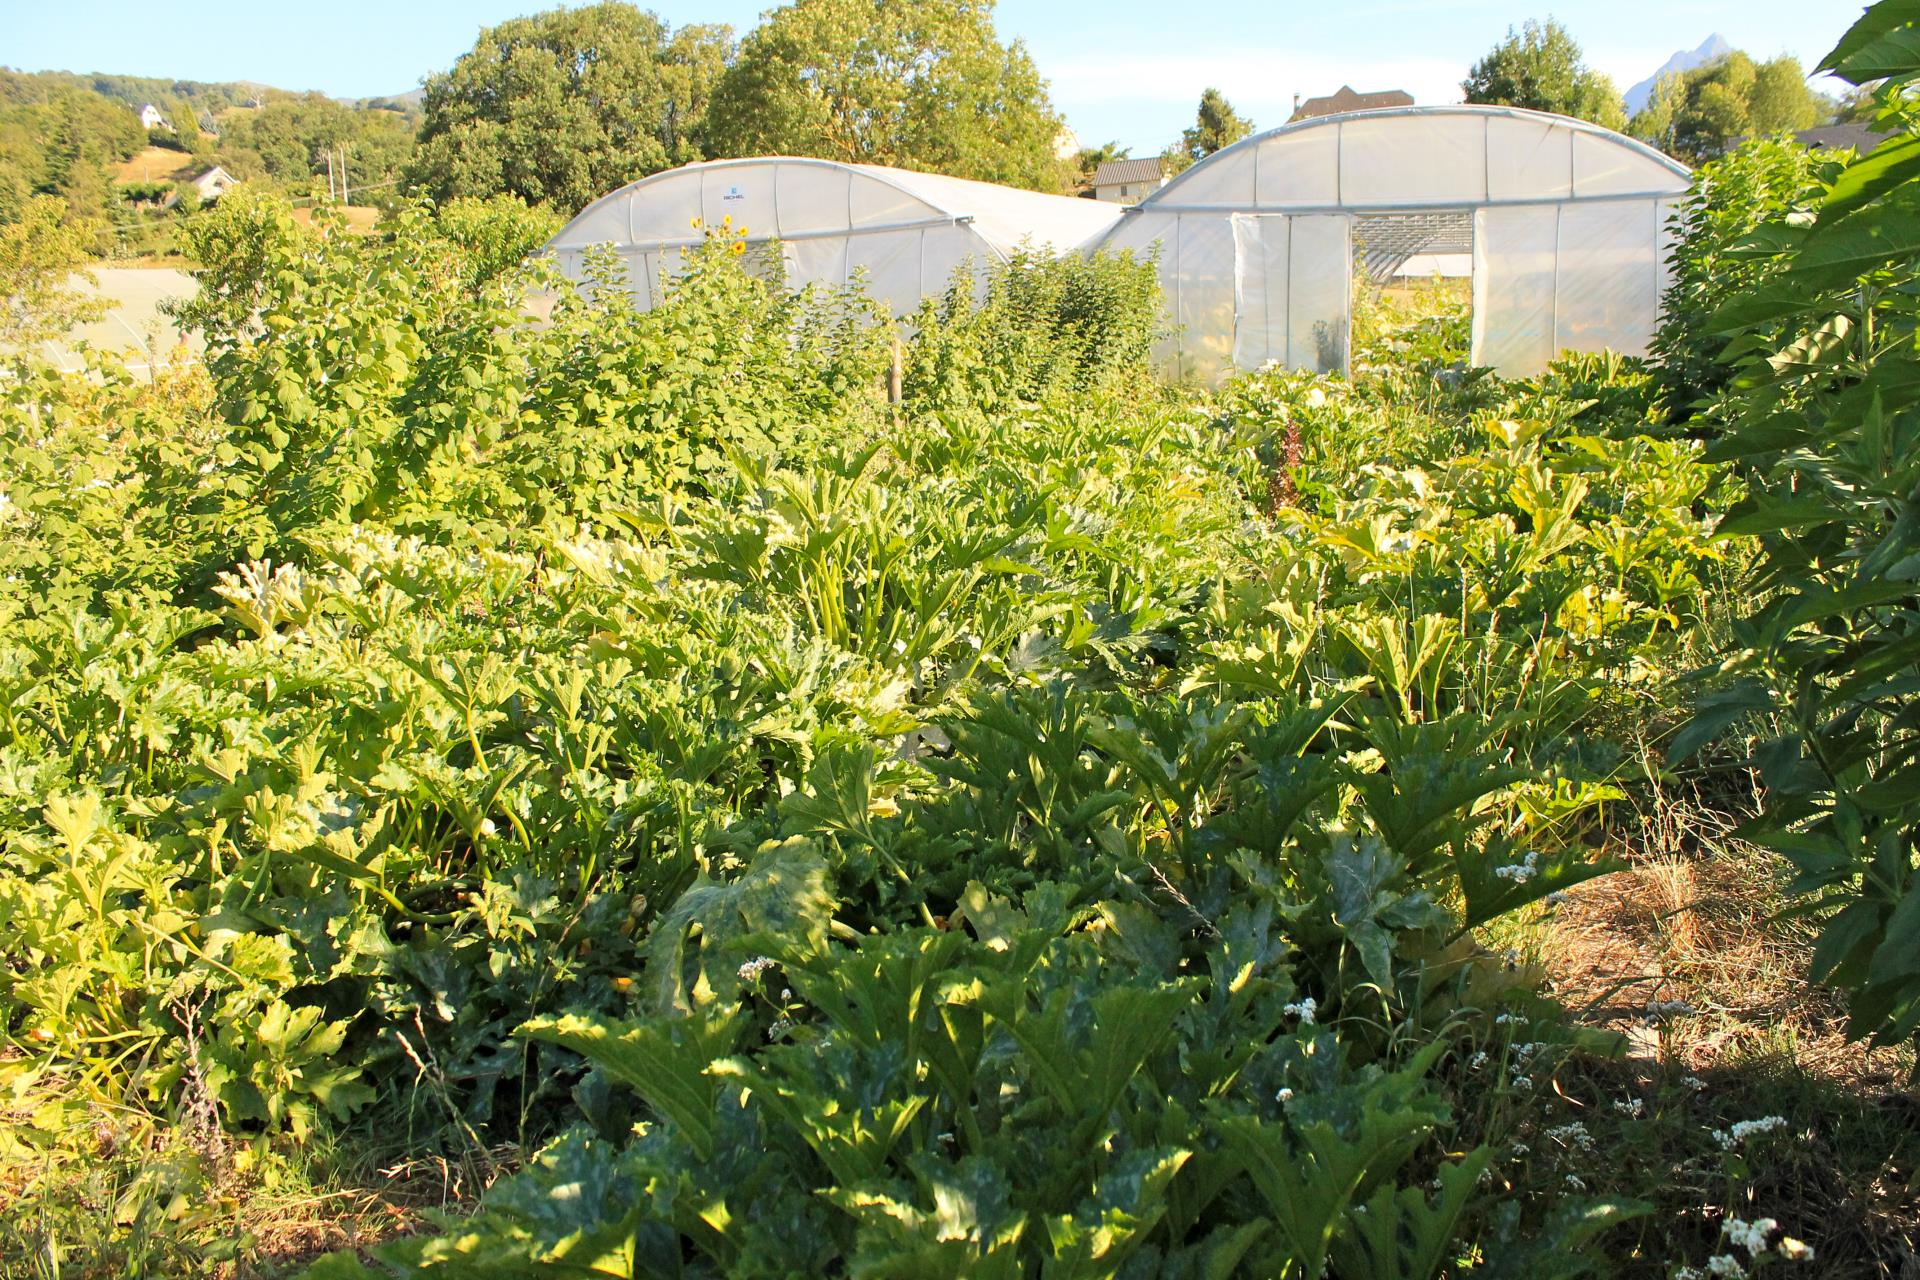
<point>1822,418</point>
<point>1039,326</point>
<point>1723,233</point>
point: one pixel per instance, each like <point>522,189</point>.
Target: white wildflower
<point>1573,1134</point>
<point>1725,1266</point>
<point>1301,1009</point>
<point>1574,1183</point>
<point>1477,1061</point>
<point>1751,1236</point>
<point>1522,871</point>
<point>755,967</point>
<point>1694,1083</point>
<point>1744,1129</point>
<point>1632,1108</point>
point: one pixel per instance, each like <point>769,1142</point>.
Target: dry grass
<point>361,220</point>
<point>1695,919</point>
<point>157,164</point>
<point>88,1190</point>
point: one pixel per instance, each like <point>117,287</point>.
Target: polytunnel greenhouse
<point>908,231</point>
<point>1566,223</point>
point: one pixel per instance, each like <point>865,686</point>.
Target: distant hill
<point>1715,46</point>
<point>206,96</point>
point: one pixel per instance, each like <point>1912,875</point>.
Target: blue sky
<point>1129,70</point>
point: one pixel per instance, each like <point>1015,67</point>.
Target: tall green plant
<point>1823,418</point>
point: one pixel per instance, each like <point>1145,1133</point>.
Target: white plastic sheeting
<point>1255,243</point>
<point>908,231</point>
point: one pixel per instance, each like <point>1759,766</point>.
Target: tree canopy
<point>923,84</point>
<point>1540,67</point>
<point>1694,114</point>
<point>562,106</point>
<point>287,139</point>
<point>1216,124</point>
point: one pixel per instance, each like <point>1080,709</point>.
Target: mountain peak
<point>1714,46</point>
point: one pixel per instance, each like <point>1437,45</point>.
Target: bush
<point>1725,241</point>
<point>1822,417</point>
<point>1040,326</point>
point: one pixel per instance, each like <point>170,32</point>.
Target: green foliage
<point>1820,418</point>
<point>921,84</point>
<point>1045,326</point>
<point>561,107</point>
<point>494,235</point>
<point>1001,833</point>
<point>1697,114</point>
<point>1728,203</point>
<point>40,250</point>
<point>288,140</point>
<point>1216,125</point>
<point>1540,67</point>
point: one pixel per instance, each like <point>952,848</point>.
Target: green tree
<point>39,251</point>
<point>561,107</point>
<point>288,140</point>
<point>1781,98</point>
<point>923,84</point>
<point>87,194</point>
<point>1216,124</point>
<point>1540,67</point>
<point>186,125</point>
<point>1697,114</point>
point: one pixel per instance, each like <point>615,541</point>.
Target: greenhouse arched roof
<point>907,231</point>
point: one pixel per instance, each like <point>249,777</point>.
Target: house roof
<point>1117,172</point>
<point>1347,99</point>
<point>1861,137</point>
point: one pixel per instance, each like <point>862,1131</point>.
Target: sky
<point>1129,71</point>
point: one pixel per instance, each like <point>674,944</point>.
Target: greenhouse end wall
<point>1569,235</point>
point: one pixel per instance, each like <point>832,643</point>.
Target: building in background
<point>1128,181</point>
<point>150,118</point>
<point>1346,99</point>
<point>211,184</point>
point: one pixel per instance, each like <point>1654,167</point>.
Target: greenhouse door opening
<point>1393,248</point>
<point>1292,290</point>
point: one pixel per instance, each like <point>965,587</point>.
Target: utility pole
<point>329,175</point>
<point>346,197</point>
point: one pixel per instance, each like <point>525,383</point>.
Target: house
<point>1128,181</point>
<point>211,184</point>
<point>1348,100</point>
<point>150,118</point>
